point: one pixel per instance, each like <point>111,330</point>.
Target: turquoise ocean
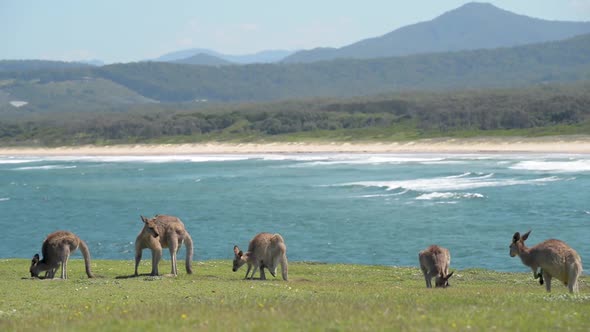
<point>336,208</point>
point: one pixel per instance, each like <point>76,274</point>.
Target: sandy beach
<point>561,144</point>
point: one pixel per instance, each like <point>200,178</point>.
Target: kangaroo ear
<point>35,258</point>
<point>237,251</point>
<point>449,275</point>
<point>516,237</point>
<point>526,235</point>
<point>144,219</point>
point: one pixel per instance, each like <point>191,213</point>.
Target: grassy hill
<point>77,96</point>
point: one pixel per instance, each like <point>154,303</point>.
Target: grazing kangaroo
<point>434,262</point>
<point>163,232</point>
<point>56,250</point>
<point>554,257</point>
<point>264,251</point>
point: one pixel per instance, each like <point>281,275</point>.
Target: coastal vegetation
<point>535,111</point>
<point>317,297</point>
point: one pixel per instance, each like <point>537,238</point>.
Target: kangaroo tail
<point>86,254</point>
<point>285,267</point>
<point>188,243</point>
<point>576,269</point>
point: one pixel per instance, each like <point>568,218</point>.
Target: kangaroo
<point>264,251</point>
<point>554,258</point>
<point>56,250</point>
<point>434,262</point>
<point>163,232</point>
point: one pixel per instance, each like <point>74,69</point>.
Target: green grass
<point>317,297</point>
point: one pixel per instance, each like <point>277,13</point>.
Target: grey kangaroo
<point>163,232</point>
<point>264,251</point>
<point>56,250</point>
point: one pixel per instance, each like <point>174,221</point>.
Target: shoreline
<point>552,144</point>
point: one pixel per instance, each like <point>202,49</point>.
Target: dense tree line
<point>440,113</point>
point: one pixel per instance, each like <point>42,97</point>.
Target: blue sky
<point>132,30</point>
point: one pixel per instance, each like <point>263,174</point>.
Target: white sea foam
<point>3,199</point>
<point>147,159</point>
<point>16,160</point>
<point>377,195</point>
<point>384,195</point>
<point>45,167</point>
<point>370,159</point>
<point>444,162</point>
<point>581,165</point>
<point>445,184</point>
<point>448,195</point>
<point>458,176</point>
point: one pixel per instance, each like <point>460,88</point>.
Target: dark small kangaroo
<point>163,232</point>
<point>56,250</point>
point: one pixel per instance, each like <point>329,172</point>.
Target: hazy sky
<point>132,30</point>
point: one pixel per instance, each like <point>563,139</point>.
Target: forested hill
<point>561,61</point>
<point>471,26</point>
<point>542,110</point>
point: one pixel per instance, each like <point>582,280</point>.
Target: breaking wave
<point>451,183</point>
<point>45,167</point>
<point>448,195</point>
<point>582,165</point>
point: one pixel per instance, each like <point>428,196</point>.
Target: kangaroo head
<point>150,226</point>
<point>239,258</point>
<point>518,243</point>
<point>443,281</point>
<point>32,269</point>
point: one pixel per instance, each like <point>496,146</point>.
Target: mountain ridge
<point>168,83</point>
<point>265,56</point>
<point>472,26</point>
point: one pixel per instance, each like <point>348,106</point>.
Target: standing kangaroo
<point>163,232</point>
<point>56,250</point>
<point>434,262</point>
<point>265,251</point>
<point>554,257</point>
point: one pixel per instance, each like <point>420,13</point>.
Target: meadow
<point>317,297</point>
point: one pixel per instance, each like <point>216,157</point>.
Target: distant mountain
<point>203,60</point>
<point>151,82</point>
<point>93,62</point>
<point>183,54</point>
<point>269,56</point>
<point>30,65</point>
<point>469,27</point>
